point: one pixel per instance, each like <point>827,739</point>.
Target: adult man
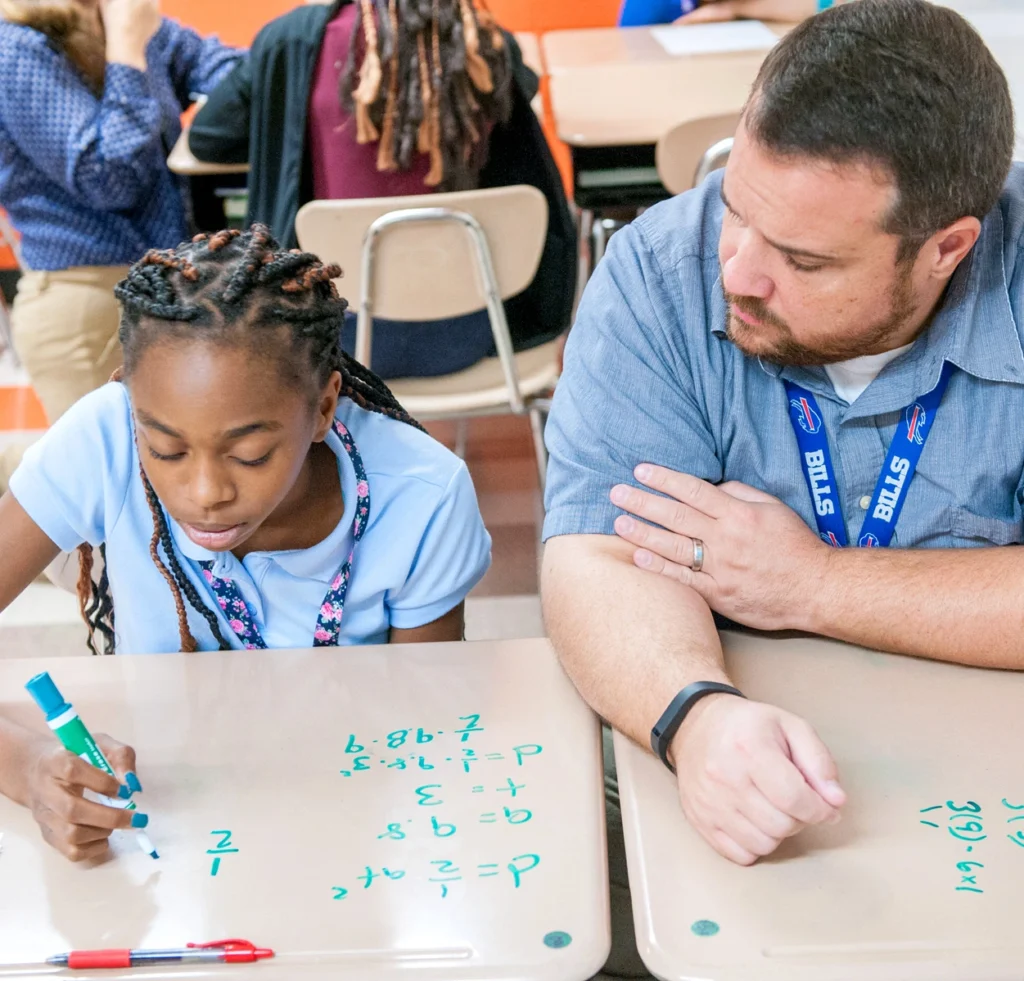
<point>853,280</point>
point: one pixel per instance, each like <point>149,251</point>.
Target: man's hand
<point>759,556</point>
<point>751,775</point>
<point>783,10</point>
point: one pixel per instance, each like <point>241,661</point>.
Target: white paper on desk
<point>739,35</point>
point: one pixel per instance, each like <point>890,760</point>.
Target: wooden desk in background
<point>529,44</point>
<point>616,91</point>
<point>183,162</point>
<point>423,812</point>
<point>922,879</point>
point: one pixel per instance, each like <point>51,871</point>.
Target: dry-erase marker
<point>71,731</point>
<point>223,951</point>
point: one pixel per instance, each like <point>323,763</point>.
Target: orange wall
<point>234,21</point>
<point>554,15</point>
<point>237,21</point>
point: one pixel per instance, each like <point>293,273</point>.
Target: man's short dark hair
<point>900,84</point>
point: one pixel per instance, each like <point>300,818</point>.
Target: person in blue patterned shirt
<point>92,92</point>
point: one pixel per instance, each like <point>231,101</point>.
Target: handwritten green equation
<point>966,824</point>
<point>435,756</point>
<point>364,754</point>
<point>223,847</point>
<point>446,871</point>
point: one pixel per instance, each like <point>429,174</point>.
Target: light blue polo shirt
<point>650,376</point>
<point>424,549</point>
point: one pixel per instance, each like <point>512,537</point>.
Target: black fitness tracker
<point>672,718</point>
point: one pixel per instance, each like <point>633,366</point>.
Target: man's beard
<point>772,340</point>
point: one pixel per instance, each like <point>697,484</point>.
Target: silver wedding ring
<point>698,555</point>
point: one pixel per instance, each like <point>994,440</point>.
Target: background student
<point>358,100</point>
<point>92,92</point>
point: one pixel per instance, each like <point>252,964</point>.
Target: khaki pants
<point>64,326</point>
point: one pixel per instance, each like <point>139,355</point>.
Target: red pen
<point>225,951</point>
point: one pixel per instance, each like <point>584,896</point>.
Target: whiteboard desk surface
<point>876,896</point>
<point>250,750</point>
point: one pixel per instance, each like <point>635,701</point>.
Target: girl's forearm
<point>19,748</point>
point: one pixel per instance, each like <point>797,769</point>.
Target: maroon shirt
<point>341,167</point>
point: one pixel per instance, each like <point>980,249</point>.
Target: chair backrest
<point>681,152</point>
<point>424,270</point>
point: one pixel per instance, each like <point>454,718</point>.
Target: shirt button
<point>865,502</point>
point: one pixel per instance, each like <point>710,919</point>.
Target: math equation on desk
<point>977,837</point>
<point>452,783</point>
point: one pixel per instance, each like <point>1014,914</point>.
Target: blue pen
<point>71,731</point>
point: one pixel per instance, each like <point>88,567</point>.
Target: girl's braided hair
<point>221,287</point>
<point>434,76</point>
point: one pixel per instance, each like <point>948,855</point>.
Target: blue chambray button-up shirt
<point>650,376</point>
<point>84,178</point>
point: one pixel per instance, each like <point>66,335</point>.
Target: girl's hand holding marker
<point>59,776</point>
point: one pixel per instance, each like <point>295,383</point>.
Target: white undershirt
<point>851,378</point>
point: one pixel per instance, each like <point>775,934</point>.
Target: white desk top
<point>274,780</point>
<point>619,86</point>
<point>930,756</point>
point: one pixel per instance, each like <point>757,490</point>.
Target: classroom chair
<point>9,238</point>
<point>687,153</point>
<point>436,256</point>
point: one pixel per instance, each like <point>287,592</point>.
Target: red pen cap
<point>236,951</point>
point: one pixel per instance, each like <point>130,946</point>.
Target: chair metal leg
<point>604,229</point>
<point>538,417</point>
<point>585,263</point>
<point>461,437</point>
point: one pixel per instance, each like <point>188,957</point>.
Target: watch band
<point>672,718</point>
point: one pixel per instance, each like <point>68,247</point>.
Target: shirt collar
<point>974,329</point>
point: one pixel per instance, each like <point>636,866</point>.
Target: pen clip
<point>234,944</point>
<point>235,950</point>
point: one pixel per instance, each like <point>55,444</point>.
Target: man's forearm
<point>962,605</point>
<point>628,640</point>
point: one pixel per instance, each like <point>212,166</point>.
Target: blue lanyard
<point>894,480</point>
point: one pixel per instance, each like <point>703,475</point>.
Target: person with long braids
<point>380,98</point>
<point>248,484</point>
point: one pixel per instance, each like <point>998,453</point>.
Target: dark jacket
<point>258,115</point>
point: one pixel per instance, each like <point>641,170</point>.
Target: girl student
<point>381,98</point>
<point>247,484</point>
